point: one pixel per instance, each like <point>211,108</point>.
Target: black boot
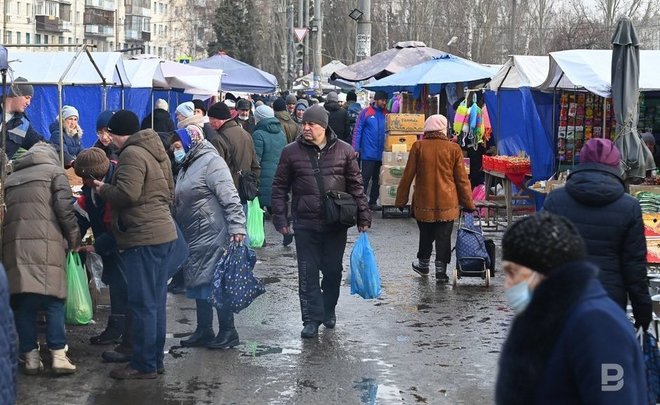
<point>330,319</point>
<point>227,336</point>
<point>310,330</point>
<point>421,266</point>
<point>176,285</point>
<point>203,334</point>
<point>441,272</point>
<point>112,333</point>
<point>120,354</point>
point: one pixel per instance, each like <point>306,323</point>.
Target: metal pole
<point>363,36</point>
<point>306,48</point>
<point>288,45</point>
<point>301,13</point>
<point>318,44</point>
<point>3,155</point>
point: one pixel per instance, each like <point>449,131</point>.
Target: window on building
<point>70,40</point>
<point>28,9</point>
<point>45,39</point>
<point>60,40</point>
<point>155,9</point>
<point>18,38</point>
<point>27,38</point>
<point>37,38</point>
<point>18,9</point>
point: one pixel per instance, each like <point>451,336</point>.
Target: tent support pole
<point>3,155</point>
<point>59,116</point>
<point>152,107</point>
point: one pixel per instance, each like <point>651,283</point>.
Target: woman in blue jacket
<point>567,333</point>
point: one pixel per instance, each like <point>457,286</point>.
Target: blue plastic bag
<point>234,285</point>
<point>365,277</point>
<point>652,359</point>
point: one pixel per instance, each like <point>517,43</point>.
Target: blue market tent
<point>433,74</point>
<point>239,76</point>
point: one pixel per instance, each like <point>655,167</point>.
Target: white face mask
<point>520,295</point>
<point>179,155</point>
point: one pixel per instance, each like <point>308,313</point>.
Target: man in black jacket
<point>20,133</point>
<point>162,121</point>
<point>338,117</point>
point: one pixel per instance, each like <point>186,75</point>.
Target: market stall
<point>238,75</point>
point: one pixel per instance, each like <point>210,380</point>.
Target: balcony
<point>109,5</point>
<point>137,10</point>
<point>52,24</point>
<point>99,31</point>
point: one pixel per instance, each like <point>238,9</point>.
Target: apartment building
<point>168,29</point>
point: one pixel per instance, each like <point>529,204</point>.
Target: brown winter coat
<point>141,193</point>
<point>243,157</point>
<point>39,223</point>
<point>340,172</point>
<point>441,182</point>
<point>288,124</point>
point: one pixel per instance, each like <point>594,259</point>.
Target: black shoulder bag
<point>339,206</point>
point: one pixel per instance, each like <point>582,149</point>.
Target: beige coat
<point>39,222</point>
<point>441,182</point>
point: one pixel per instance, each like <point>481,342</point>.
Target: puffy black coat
<point>338,120</point>
<point>8,345</point>
<point>340,171</point>
<point>610,221</point>
<point>162,121</point>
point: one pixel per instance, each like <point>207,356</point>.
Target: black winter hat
<point>543,242</point>
<point>351,96</point>
<point>279,105</point>
<point>200,104</point>
<point>316,114</point>
<point>220,111</point>
<point>124,122</point>
<point>380,95</point>
<point>20,88</point>
<point>243,104</point>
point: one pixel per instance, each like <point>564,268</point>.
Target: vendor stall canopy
<point>591,69</point>
<point>520,71</point>
<point>239,76</point>
<point>162,74</point>
<point>400,57</point>
<point>433,74</point>
<point>307,81</point>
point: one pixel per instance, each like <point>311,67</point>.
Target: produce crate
<point>390,211</point>
<point>401,138</point>
<point>405,122</point>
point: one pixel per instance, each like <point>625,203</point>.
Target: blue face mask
<point>179,155</point>
<point>519,295</point>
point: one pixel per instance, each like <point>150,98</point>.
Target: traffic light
<point>299,53</point>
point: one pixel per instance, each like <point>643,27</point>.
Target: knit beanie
<point>332,96</point>
<point>123,122</point>
<point>341,97</point>
<point>262,112</point>
<point>186,109</point>
<point>199,104</point>
<point>436,123</point>
<point>91,162</point>
<point>162,104</point>
<point>184,137</point>
<point>600,150</point>
<point>279,105</point>
<point>219,111</point>
<point>380,95</point>
<point>103,119</point>
<point>351,96</point>
<point>291,99</point>
<point>19,88</point>
<point>302,105</point>
<point>543,242</point>
<point>243,104</point>
<point>69,111</point>
<point>316,114</point>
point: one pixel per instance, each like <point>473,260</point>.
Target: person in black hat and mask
<point>320,246</point>
<point>245,118</point>
<point>569,343</point>
<point>369,143</point>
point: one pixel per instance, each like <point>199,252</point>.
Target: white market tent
<point>156,73</point>
<point>520,71</point>
<point>306,82</point>
<point>591,69</point>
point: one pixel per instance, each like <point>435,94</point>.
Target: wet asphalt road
<point>420,343</point>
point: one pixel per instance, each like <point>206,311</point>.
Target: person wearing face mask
<point>209,212</point>
<point>566,330</point>
<point>104,141</point>
<point>245,118</point>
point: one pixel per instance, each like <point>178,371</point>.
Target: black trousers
<point>438,232</point>
<point>371,175</point>
<point>319,253</point>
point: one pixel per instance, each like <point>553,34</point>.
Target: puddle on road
<point>253,349</point>
<point>372,393</point>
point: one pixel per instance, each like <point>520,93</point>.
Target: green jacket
<point>269,140</point>
<point>141,193</point>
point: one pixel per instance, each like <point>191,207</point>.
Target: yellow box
<point>405,122</point>
<point>388,195</point>
<point>390,175</point>
<point>395,158</point>
<point>400,139</point>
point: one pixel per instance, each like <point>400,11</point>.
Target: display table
<point>509,197</point>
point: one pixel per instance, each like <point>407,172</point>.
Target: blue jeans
<point>146,277</point>
<point>26,307</point>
